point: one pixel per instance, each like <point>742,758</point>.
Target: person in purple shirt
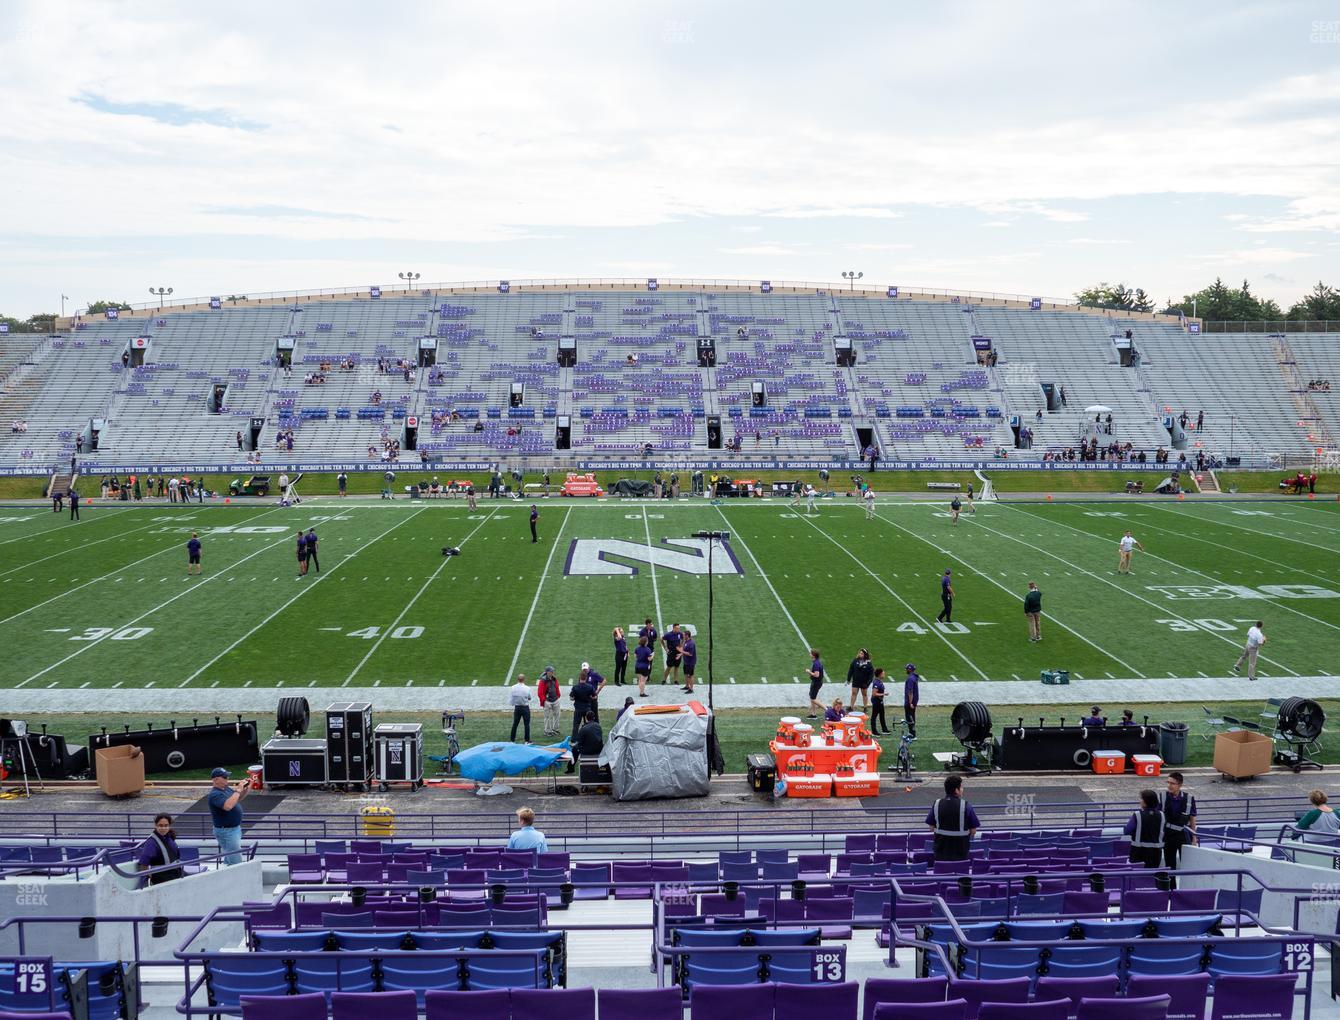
<point>642,656</point>
<point>159,850</point>
<point>877,704</point>
<point>816,675</point>
<point>946,598</point>
<point>835,712</point>
<point>302,553</point>
<point>1095,718</point>
<point>911,698</point>
<point>953,822</point>
<point>311,550</point>
<point>620,657</point>
<point>193,554</point>
<point>688,660</point>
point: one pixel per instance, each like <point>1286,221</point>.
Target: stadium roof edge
<point>881,292</point>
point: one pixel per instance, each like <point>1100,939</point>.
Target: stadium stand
<point>917,383</point>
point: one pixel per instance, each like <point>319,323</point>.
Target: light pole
<point>409,279</point>
<point>852,275</point>
<point>712,538</point>
<point>63,298</point>
<point>161,293</point>
<point>1232,425</point>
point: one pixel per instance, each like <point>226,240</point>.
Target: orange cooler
<point>1146,764</point>
<point>786,730</point>
<point>1109,763</point>
<point>818,784</point>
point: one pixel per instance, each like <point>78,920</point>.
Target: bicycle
<point>904,760</point>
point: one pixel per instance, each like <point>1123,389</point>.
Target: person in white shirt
<point>809,500</point>
<point>1124,548</point>
<point>869,497</point>
<point>519,698</point>
<point>1256,637</point>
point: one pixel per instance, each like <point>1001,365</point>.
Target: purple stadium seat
<point>311,1006</point>
<point>494,1004</point>
<point>1076,988</point>
<point>1189,992</point>
<point>1144,901</point>
<point>397,918</point>
<point>383,1005</point>
<point>902,991</point>
<point>1151,1007</point>
<point>1260,997</point>
<point>860,843</point>
<point>1084,903</point>
<point>720,905</point>
<point>305,868</point>
<point>834,916</point>
<point>546,1003</point>
<point>1056,1010</point>
<point>975,991</point>
<point>955,1009</point>
<point>731,1002</point>
<point>360,872</point>
<point>1202,900</point>
<point>804,1002</point>
<point>632,881</point>
<point>640,1004</point>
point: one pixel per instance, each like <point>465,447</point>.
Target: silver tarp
<point>660,755</point>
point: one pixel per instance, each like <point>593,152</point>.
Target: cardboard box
<point>1242,753</point>
<point>120,770</point>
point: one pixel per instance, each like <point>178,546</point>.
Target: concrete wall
<point>1320,887</point>
<point>111,895</point>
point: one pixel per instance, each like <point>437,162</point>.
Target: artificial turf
<point>106,602</point>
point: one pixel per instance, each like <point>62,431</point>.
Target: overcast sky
<point>1028,148</point>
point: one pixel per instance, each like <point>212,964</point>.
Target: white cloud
<point>998,223</point>
<point>1096,240</point>
<point>761,249</point>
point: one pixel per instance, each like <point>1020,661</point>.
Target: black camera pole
<point>712,538</point>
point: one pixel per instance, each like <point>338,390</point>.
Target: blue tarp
<point>485,761</point>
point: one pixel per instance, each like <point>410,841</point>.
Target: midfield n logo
<point>687,555</point>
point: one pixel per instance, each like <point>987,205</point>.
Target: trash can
<point>378,821</point>
<point>1172,742</point>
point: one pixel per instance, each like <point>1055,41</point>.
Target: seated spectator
<point>590,739</point>
<point>1095,718</point>
<point>527,837</point>
<point>834,712</point>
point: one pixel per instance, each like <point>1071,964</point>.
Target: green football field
<point>106,602</point>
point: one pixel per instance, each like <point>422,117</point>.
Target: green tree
<point>1219,302</point>
<point>97,307</point>
<point>42,322</point>
<point>15,326</point>
<point>1119,296</point>
<point>1322,303</point>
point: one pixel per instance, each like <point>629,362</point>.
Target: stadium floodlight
<point>852,275</point>
<point>160,292</point>
<point>410,279</point>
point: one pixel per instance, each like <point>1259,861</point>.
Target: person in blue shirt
<point>672,642</point>
<point>225,809</point>
<point>911,698</point>
<point>527,837</point>
<point>534,520</point>
<point>193,554</point>
<point>1095,717</point>
<point>1127,718</point>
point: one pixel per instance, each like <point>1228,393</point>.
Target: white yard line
<point>1112,584</point>
<point>1241,552</point>
<point>410,604</point>
<point>1255,531</point>
<point>655,591</point>
<point>64,524</point>
<point>748,552</point>
<point>79,548</point>
<point>300,594</point>
<point>1209,577</point>
<point>112,573</point>
<point>932,628</point>
<point>1049,617</point>
<point>516,655</point>
<point>162,605</point>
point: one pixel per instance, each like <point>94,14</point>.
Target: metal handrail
<point>755,824</point>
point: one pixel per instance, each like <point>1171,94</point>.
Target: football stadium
<point>614,604</point>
